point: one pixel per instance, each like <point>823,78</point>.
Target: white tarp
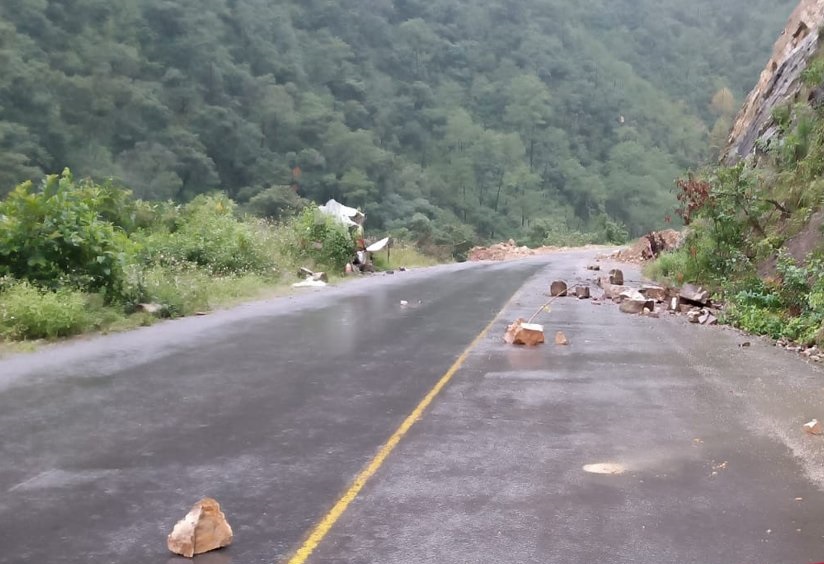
<point>346,215</point>
<point>379,246</point>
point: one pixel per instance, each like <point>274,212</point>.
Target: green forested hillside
<point>527,118</point>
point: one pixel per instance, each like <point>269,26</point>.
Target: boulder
<point>694,316</point>
<point>657,293</point>
<point>674,304</point>
<point>616,277</point>
<point>560,339</point>
<point>707,318</point>
<point>202,530</point>
<point>523,333</point>
<point>694,294</point>
<point>635,307</point>
<point>582,292</point>
<point>558,288</point>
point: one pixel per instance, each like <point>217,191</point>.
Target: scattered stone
<point>558,288</point>
<point>813,428</point>
<point>202,530</point>
<point>706,318</point>
<point>694,294</point>
<point>594,267</point>
<point>694,316</point>
<point>686,308</point>
<point>402,269</point>
<point>745,345</point>
<point>633,294</point>
<point>616,277</point>
<point>523,333</point>
<point>151,309</point>
<point>582,292</point>
<point>560,339</point>
<point>652,314</point>
<point>674,304</point>
<point>390,272</point>
<point>657,293</point>
<point>635,307</point>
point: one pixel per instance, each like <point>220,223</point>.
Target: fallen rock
<point>616,277</point>
<point>707,318</point>
<point>674,304</point>
<point>635,307</point>
<point>594,267</point>
<point>523,333</point>
<point>151,309</point>
<point>633,295</point>
<point>560,339</point>
<point>558,288</point>
<point>202,530</point>
<point>657,293</point>
<point>694,316</point>
<point>813,428</point>
<point>613,292</point>
<point>694,294</point>
<point>582,292</point>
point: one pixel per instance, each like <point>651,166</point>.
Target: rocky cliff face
<point>780,82</point>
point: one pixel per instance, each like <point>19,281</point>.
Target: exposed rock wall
<point>779,83</point>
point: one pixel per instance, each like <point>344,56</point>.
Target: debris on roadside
<point>582,292</point>
<point>202,530</point>
<point>524,334</point>
<point>309,283</point>
<point>311,279</point>
<point>813,428</point>
<point>616,277</point>
<point>594,267</point>
<point>151,309</point>
<point>561,339</point>
<point>558,288</point>
<point>650,246</point>
<point>694,295</point>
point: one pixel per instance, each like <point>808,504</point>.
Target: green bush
<point>320,239</point>
<point>64,234</point>
<point>208,234</point>
<point>28,312</point>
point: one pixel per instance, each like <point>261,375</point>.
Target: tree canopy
<point>498,116</point>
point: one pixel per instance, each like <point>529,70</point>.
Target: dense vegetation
<point>756,228</point>
<point>76,256</point>
<point>446,120</point>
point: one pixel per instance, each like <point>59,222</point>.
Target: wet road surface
<point>273,408</point>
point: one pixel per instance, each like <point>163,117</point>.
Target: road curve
<point>274,408</point>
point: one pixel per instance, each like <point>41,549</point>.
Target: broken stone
<point>694,316</point>
<point>634,307</point>
<point>523,333</point>
<point>558,288</point>
<point>686,308</point>
<point>202,530</point>
<point>305,273</point>
<point>560,339</point>
<point>813,428</point>
<point>633,294</point>
<point>694,294</point>
<point>652,314</point>
<point>582,292</point>
<point>707,318</point>
<point>613,292</point>
<point>616,277</point>
<point>594,267</point>
<point>151,309</point>
<point>657,293</point>
<point>674,304</point>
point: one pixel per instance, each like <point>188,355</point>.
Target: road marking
<point>325,525</point>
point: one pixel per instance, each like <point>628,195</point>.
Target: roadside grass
<point>405,256</point>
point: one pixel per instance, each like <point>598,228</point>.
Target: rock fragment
<point>582,292</point>
<point>813,428</point>
<point>202,530</point>
<point>561,339</point>
<point>558,288</point>
<point>657,293</point>
<point>694,294</point>
<point>616,277</point>
<point>525,334</point>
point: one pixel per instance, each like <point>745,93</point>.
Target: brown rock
<point>694,294</point>
<point>594,267</point>
<point>674,304</point>
<point>813,428</point>
<point>694,316</point>
<point>202,530</point>
<point>582,292</point>
<point>657,293</point>
<point>560,339</point>
<point>616,277</point>
<point>558,288</point>
<point>523,333</point>
<point>635,307</point>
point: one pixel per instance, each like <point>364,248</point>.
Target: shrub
<point>321,239</point>
<point>28,312</point>
<point>64,234</point>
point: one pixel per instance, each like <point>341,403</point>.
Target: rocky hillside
<point>781,82</point>
<point>756,219</point>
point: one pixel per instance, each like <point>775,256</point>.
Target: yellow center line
<point>325,525</point>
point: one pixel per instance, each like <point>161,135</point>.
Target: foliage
<point>496,114</point>
<point>321,239</point>
<point>28,312</point>
<point>64,234</point>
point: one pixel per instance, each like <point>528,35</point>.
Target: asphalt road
<point>275,407</point>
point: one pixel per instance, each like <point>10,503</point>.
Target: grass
<point>402,256</point>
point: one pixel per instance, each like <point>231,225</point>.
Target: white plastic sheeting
<point>346,215</point>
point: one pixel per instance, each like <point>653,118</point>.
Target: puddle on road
<point>609,468</point>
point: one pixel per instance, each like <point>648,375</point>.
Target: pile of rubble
<point>650,246</point>
<point>501,251</point>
